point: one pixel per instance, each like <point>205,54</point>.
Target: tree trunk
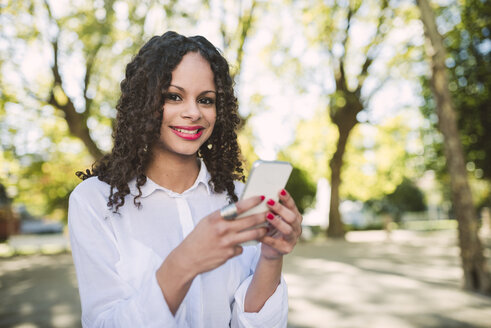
<point>77,126</point>
<point>476,276</point>
<point>345,120</point>
<point>345,105</point>
<point>336,227</point>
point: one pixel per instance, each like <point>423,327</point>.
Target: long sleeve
<point>108,299</point>
<point>273,314</point>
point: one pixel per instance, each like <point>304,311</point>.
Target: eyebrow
<point>183,90</point>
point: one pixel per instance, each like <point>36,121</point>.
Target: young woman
<point>151,226</point>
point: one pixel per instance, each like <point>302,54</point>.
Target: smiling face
<point>190,108</point>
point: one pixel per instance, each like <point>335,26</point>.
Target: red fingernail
<point>271,202</point>
<point>283,192</point>
<point>270,216</point>
<point>262,198</point>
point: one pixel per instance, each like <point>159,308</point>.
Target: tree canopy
<point>467,37</point>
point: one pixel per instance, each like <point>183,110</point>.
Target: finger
<point>248,222</point>
<point>248,235</point>
<point>272,231</point>
<point>287,214</point>
<point>277,222</point>
<point>240,207</point>
<point>238,250</point>
<point>248,203</point>
<point>287,200</point>
<point>280,245</point>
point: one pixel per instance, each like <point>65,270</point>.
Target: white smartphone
<point>266,178</point>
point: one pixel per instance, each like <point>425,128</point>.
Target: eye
<point>173,97</point>
<point>206,101</point>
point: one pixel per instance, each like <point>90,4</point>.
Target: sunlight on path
<point>411,280</point>
<point>39,291</point>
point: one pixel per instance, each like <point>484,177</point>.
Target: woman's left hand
<point>286,221</point>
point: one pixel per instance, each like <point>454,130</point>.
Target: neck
<point>174,173</point>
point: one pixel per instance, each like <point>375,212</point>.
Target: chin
<point>187,153</point>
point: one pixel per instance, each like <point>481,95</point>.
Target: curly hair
<point>139,117</point>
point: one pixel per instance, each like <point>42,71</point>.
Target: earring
<point>209,146</point>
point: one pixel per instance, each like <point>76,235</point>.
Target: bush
<point>301,188</point>
<point>407,197</point>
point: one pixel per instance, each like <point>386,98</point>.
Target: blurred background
<point>383,107</point>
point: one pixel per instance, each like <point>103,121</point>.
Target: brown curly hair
<point>139,117</point>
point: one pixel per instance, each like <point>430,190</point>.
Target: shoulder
<point>88,212</point>
<point>92,186</point>
<point>91,190</point>
<point>87,206</point>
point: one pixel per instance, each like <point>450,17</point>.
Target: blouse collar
<point>150,186</point>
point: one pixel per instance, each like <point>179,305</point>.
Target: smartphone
<point>266,178</point>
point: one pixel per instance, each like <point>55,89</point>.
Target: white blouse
<point>116,257</point>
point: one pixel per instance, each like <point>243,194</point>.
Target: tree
<point>379,157</point>
<point>234,38</point>
<point>476,276</point>
<point>466,31</point>
<point>333,31</point>
<point>469,64</point>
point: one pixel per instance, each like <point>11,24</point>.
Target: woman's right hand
<point>212,242</point>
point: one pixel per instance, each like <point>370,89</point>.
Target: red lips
<point>188,132</point>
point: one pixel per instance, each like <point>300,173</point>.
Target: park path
<point>409,281</point>
<point>39,291</point>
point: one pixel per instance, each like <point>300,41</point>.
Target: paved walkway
<point>412,280</point>
<point>39,291</point>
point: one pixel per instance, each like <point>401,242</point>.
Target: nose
<point>192,111</point>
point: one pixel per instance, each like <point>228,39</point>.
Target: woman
<point>147,251</point>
